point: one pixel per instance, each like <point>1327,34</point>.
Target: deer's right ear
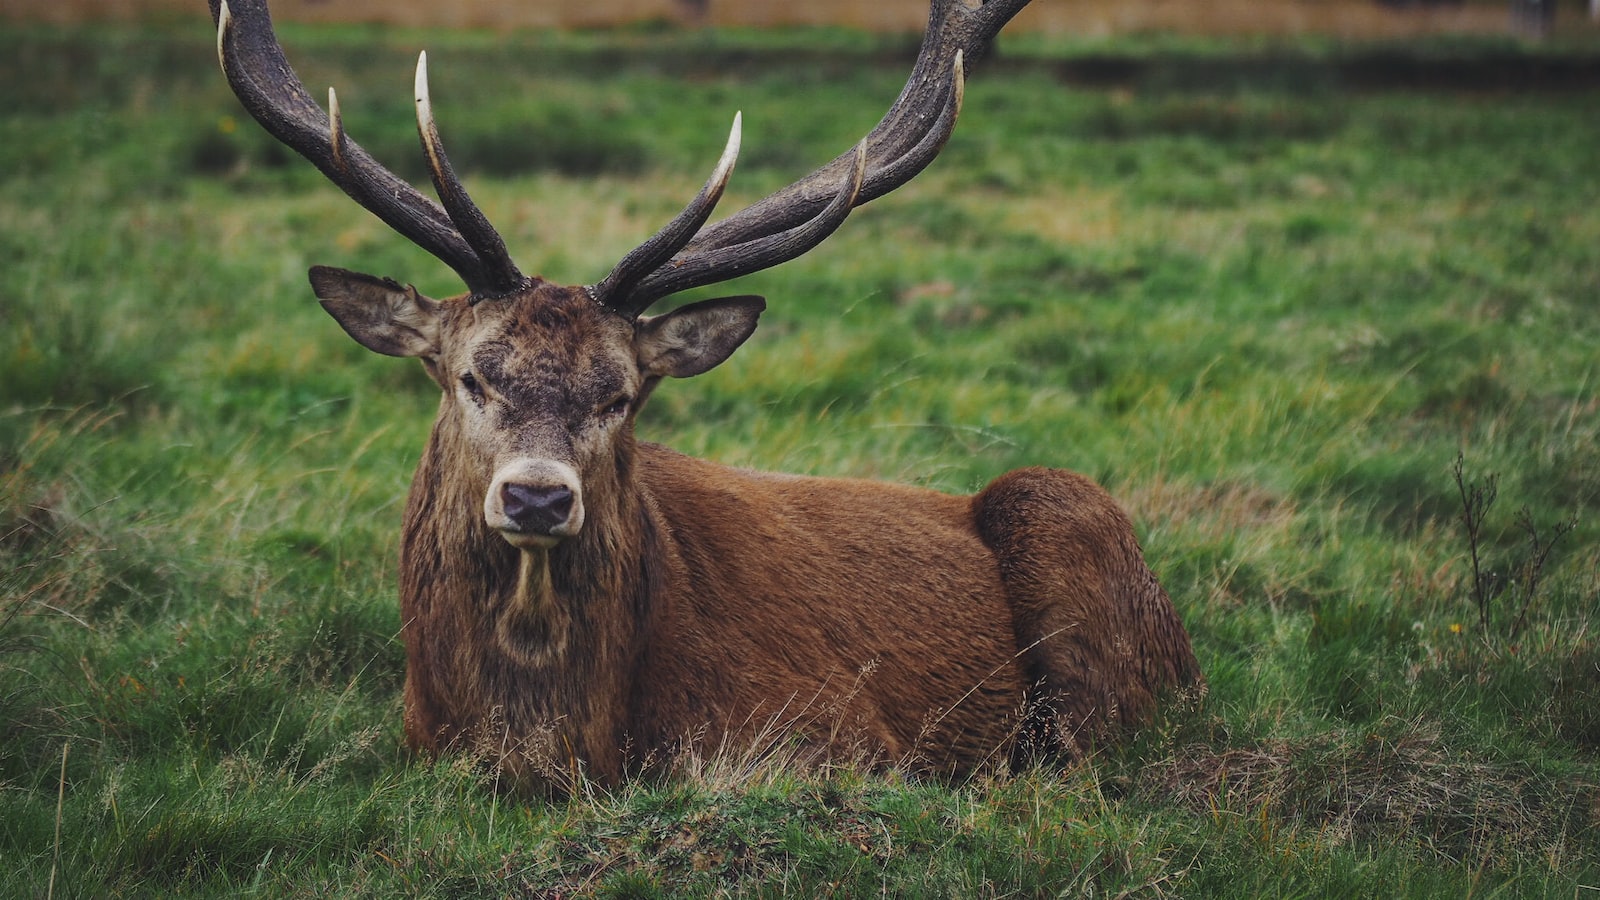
<point>381,314</point>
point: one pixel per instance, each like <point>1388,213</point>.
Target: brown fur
<point>701,605</point>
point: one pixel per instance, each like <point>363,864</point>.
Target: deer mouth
<point>525,540</point>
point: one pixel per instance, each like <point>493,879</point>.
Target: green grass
<point>1267,317</point>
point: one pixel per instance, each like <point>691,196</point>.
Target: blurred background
<point>1349,18</point>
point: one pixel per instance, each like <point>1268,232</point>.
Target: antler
<point>683,255</point>
<point>458,233</point>
<point>795,219</point>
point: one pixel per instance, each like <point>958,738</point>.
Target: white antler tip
<point>335,129</point>
<point>730,153</point>
<point>224,21</point>
<point>425,106</point>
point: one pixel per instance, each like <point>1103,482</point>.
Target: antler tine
<point>757,253</point>
<point>893,174</point>
<point>618,290</point>
<point>893,144</point>
<point>707,262</point>
<point>469,220</point>
<point>261,77</point>
<point>903,143</point>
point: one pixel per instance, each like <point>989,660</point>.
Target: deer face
<point>540,388</point>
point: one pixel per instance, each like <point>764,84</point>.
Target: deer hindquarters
<point>1098,637</point>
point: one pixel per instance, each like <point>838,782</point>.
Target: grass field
<point>1270,315</point>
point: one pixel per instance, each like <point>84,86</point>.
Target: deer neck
<point>578,601</point>
<point>525,646</point>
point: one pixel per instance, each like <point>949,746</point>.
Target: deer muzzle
<point>534,504</point>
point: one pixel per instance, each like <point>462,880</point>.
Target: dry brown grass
<point>1333,791</point>
<point>1349,18</point>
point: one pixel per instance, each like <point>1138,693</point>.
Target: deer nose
<point>536,508</point>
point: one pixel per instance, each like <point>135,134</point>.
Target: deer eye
<point>616,407</point>
<point>469,383</point>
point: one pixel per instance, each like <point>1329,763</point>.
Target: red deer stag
<point>572,596</point>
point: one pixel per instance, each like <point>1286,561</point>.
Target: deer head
<point>540,382</point>
<point>540,388</point>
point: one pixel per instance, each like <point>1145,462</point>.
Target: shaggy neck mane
<point>490,620</point>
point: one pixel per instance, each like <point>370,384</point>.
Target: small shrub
<point>1518,580</point>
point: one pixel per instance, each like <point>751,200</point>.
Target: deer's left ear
<point>381,314</point>
<point>695,338</point>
